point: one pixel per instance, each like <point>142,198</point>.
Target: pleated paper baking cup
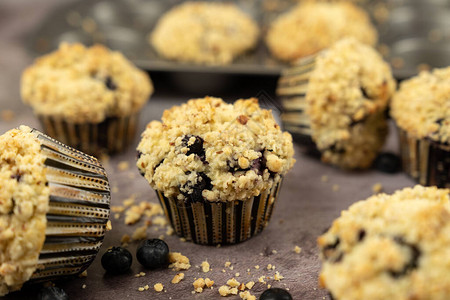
<point>426,161</point>
<point>292,88</point>
<point>78,210</point>
<point>212,223</point>
<point>111,136</point>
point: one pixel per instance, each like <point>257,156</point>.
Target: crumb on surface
<point>335,187</point>
<point>233,282</point>
<point>249,285</point>
<point>84,274</point>
<point>108,225</point>
<point>297,249</point>
<point>227,264</point>
<point>123,165</point>
<point>205,267</point>
<point>140,233</point>
<point>83,286</point>
<point>324,178</point>
<point>158,287</point>
<point>178,277</point>
<point>125,239</point>
<point>278,276</point>
<point>178,261</point>
<point>257,267</point>
<point>377,188</point>
<point>209,283</point>
<point>247,296</point>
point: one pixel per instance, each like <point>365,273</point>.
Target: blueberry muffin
<point>313,26</point>
<point>88,98</point>
<point>212,33</point>
<point>390,247</point>
<point>49,192</point>
<point>421,110</point>
<point>216,167</point>
<point>339,98</point>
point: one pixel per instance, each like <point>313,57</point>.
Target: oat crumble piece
<point>233,282</point>
<point>205,267</point>
<point>250,285</point>
<point>178,261</point>
<point>377,188</point>
<point>209,283</point>
<point>224,290</point>
<point>123,166</point>
<point>247,296</point>
<point>199,284</point>
<point>324,178</point>
<point>335,187</point>
<point>257,267</point>
<point>278,276</point>
<point>178,277</point>
<point>227,264</point>
<point>108,225</point>
<point>140,233</point>
<point>297,249</point>
<point>125,239</point>
<point>84,274</point>
<point>158,287</point>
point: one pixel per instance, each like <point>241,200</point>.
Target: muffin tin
<point>413,34</point>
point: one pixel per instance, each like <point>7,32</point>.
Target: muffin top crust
<point>422,105</point>
<point>209,150</point>
<point>82,84</point>
<point>348,90</point>
<point>24,198</point>
<point>312,26</point>
<point>390,247</point>
<point>204,33</point>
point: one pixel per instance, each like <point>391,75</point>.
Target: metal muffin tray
<point>414,34</point>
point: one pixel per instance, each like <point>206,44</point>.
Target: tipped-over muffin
<point>75,87</point>
<point>204,33</point>
<point>24,201</point>
<point>208,152</point>
<point>390,247</point>
<point>54,206</point>
<point>313,26</point>
<point>421,110</point>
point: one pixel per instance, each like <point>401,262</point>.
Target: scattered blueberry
<point>153,254</point>
<point>52,293</point>
<point>110,84</point>
<point>117,260</point>
<point>365,94</point>
<point>361,235</point>
<point>275,294</point>
<point>387,163</point>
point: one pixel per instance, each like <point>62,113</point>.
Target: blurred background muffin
<point>389,247</point>
<point>339,98</point>
<point>204,33</point>
<point>222,163</point>
<point>313,25</point>
<point>421,110</point>
<point>88,98</point>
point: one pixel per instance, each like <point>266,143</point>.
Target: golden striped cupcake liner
<point>292,89</point>
<point>110,136</point>
<point>426,161</point>
<point>78,210</point>
<point>212,223</point>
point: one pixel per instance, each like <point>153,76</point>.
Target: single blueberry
<point>275,294</point>
<point>153,254</point>
<point>413,260</point>
<point>387,163</point>
<point>52,293</point>
<point>110,84</point>
<point>117,260</point>
<point>196,147</point>
<point>196,195</point>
